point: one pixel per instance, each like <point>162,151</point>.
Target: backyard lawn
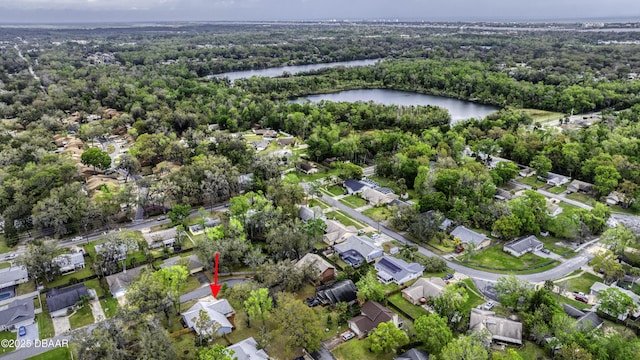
<point>353,201</point>
<point>78,275</point>
<point>543,116</point>
<point>493,258</point>
<point>95,284</point>
<point>5,265</point>
<point>109,306</point>
<point>415,311</point>
<point>473,300</point>
<point>358,349</point>
<point>531,351</point>
<point>60,353</point>
<point>82,317</point>
<point>378,213</point>
<point>532,181</point>
<point>3,246</point>
<point>582,198</point>
<point>344,219</point>
<point>550,243</point>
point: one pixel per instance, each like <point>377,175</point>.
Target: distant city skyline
<point>85,11</point>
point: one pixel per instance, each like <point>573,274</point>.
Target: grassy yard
<point>185,347</point>
<point>344,219</point>
<point>557,189</point>
<point>401,303</point>
<point>95,284</point>
<point>586,199</point>
<point>531,351</point>
<point>5,265</point>
<point>543,116</point>
<point>353,201</point>
<point>378,213</point>
<point>66,279</point>
<point>550,243</point>
<point>473,300</point>
<point>8,335</point>
<point>3,246</point>
<point>316,202</point>
<point>109,306</point>
<point>620,209</point>
<point>191,284</point>
<point>493,258</point>
<point>29,286</point>
<point>358,349</point>
<point>335,190</point>
<point>82,317</point>
<point>582,283</point>
<point>60,353</point>
<point>576,304</point>
<point>532,181</point>
<point>45,324</point>
<point>292,178</point>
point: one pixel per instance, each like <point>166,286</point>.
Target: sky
<point>83,11</point>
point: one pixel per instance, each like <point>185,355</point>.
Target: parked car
<point>489,305</point>
<point>314,302</point>
<point>447,277</point>
<point>160,218</point>
<point>546,251</point>
<point>22,331</point>
<point>581,298</point>
<point>348,336</point>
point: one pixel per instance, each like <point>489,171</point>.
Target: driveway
<point>550,255</point>
<point>96,310</point>
<point>32,333</point>
<point>61,325</point>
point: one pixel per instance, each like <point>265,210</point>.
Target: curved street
<point>559,271</point>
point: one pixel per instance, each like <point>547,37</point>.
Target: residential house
<point>503,195</point>
<point>336,232</point>
<point>14,275</point>
<point>260,145</point>
<point>247,349</point>
<point>198,229</point>
<point>422,289</point>
<point>597,287</point>
<point>468,236</point>
<point>444,225</point>
<point>358,249</point>
<point>18,313</point>
<point>120,250</point>
<point>119,282</point>
<point>501,329</point>
<point>245,180</point>
<point>378,197</point>
<point>219,311</point>
<point>577,186</point>
<point>553,209</point>
<point>523,245</point>
<point>59,300</point>
<point>413,354</point>
<point>308,168</point>
<point>371,315</point>
<point>585,320</point>
<point>192,262</point>
<point>160,238</point>
<point>556,179</point>
<point>268,133</point>
<point>69,263</point>
<point>525,171</point>
<point>324,270</point>
<point>399,203</point>
<point>390,269</point>
<point>287,141</point>
<point>613,198</point>
<point>307,213</point>
<point>354,186</point>
<point>341,291</point>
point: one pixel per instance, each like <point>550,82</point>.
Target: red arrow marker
<point>215,288</point>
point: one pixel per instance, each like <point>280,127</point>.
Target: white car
<point>489,305</point>
<point>348,336</point>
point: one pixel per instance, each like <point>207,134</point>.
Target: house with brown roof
<point>337,232</point>
<point>501,329</point>
<point>287,141</point>
<point>377,197</point>
<point>577,186</point>
<point>371,315</point>
<point>422,289</point>
<point>308,168</point>
<point>324,270</point>
<point>160,238</point>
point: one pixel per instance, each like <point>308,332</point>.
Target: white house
<point>468,236</point>
<point>18,313</point>
<point>390,269</point>
<point>160,238</point>
<point>422,289</point>
<point>556,179</point>
<point>337,232</point>
<point>247,349</point>
<point>501,329</point>
<point>522,246</point>
<point>357,249</point>
<point>119,282</point>
<point>69,263</point>
<point>14,275</point>
<point>218,310</point>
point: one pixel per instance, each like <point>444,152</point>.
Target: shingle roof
<point>361,244</point>
<point>12,274</point>
<point>524,244</point>
<point>501,329</point>
<point>160,236</point>
<point>372,314</point>
<point>247,349</point>
<point>414,354</point>
<point>572,311</point>
<point>69,262</point>
<point>194,262</point>
<point>123,279</point>
<point>317,261</point>
<point>589,321</point>
<point>60,298</point>
<point>424,288</point>
<point>398,269</point>
<point>354,185</point>
<point>341,291</point>
<point>18,311</point>
<point>307,213</point>
<point>217,310</point>
<point>468,236</point>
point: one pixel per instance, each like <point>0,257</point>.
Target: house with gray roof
<point>247,349</point>
<point>160,238</point>
<point>197,229</point>
<point>376,197</point>
<point>422,289</point>
<point>613,198</point>
<point>390,269</point>
<point>523,245</point>
<point>468,236</point>
<point>413,354</point>
<point>69,263</point>
<point>324,270</point>
<point>18,313</point>
<point>219,311</point>
<point>191,262</point>
<point>308,213</point>
<point>577,186</point>
<point>341,291</point>
<point>358,249</point>
<point>556,179</point>
<point>13,275</point>
<point>59,300</point>
<point>119,282</point>
<point>585,320</point>
<point>336,232</point>
<point>598,287</point>
<point>501,329</point>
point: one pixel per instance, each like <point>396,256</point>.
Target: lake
<point>459,109</point>
<point>278,71</point>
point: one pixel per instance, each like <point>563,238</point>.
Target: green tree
<point>618,238</point>
<point>464,348</point>
<point>507,227</point>
<point>387,338</point>
<point>174,279</point>
<point>299,324</point>
<point>216,352</point>
<point>605,262</point>
<point>574,351</point>
<point>369,288</point>
<point>128,164</point>
<point>258,305</point>
<point>433,331</point>
<point>541,164</point>
<point>178,213</point>
<point>503,172</point>
<point>38,260</point>
<point>512,292</point>
<point>606,179</point>
<point>509,354</point>
<point>450,303</point>
<point>615,303</point>
<point>96,158</point>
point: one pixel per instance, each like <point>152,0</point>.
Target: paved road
<point>560,197</point>
<point>206,290</point>
<point>561,270</point>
